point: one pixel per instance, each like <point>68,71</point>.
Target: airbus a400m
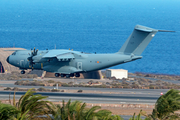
<point>71,63</point>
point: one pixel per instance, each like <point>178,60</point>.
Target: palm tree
<point>69,111</point>
<point>95,113</point>
<point>134,117</point>
<point>165,106</point>
<point>114,117</point>
<point>7,111</point>
<point>77,111</point>
<point>32,105</point>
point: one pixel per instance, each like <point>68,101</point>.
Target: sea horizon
<point>95,26</point>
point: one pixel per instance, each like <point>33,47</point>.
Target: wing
<point>61,55</point>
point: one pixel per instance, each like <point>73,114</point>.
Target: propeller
<point>30,59</point>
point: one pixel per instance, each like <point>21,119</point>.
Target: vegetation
<point>28,107</point>
<point>43,89</point>
<point>32,106</point>
<point>8,112</point>
<point>55,90</point>
<point>166,107</point>
<point>78,111</point>
<point>80,91</point>
<point>138,117</point>
<point>8,88</point>
<point>135,83</point>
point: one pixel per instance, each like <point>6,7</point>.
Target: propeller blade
<point>34,50</point>
<point>30,59</point>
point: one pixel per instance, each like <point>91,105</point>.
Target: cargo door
<point>79,65</point>
<point>22,64</point>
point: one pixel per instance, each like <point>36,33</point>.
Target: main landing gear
<point>62,75</point>
<point>67,75</point>
<point>57,74</point>
<point>77,75</point>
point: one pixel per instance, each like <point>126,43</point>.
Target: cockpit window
<point>14,53</point>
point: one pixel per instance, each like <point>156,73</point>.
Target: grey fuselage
<point>68,61</point>
<point>82,62</point>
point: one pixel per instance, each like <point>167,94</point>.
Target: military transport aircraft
<point>71,63</point>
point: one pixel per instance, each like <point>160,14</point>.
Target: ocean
<point>100,26</point>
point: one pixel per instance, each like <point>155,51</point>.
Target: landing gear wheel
<point>62,75</point>
<point>68,76</point>
<point>22,72</point>
<point>77,74</point>
<point>56,74</point>
<point>72,75</point>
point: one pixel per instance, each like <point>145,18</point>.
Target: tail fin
<point>138,40</point>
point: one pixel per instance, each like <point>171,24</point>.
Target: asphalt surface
<point>126,96</point>
<point>133,96</point>
<point>91,98</point>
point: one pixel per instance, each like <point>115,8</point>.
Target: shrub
<point>15,89</point>
<point>42,89</point>
<point>55,90</point>
<point>51,81</point>
<point>62,90</point>
<point>8,88</point>
<point>80,91</point>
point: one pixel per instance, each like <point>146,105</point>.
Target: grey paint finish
<point>68,62</point>
<point>138,40</point>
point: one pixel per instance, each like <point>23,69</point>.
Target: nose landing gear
<point>22,72</point>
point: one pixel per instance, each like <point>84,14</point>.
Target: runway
<point>91,98</point>
<point>98,95</point>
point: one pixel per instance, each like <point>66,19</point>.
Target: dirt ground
<point>128,111</point>
<point>115,111</point>
<point>7,81</point>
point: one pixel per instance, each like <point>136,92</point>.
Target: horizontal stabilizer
<point>165,31</point>
<point>143,30</point>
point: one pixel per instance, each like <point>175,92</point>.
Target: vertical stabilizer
<point>138,40</point>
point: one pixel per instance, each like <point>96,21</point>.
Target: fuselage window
<point>14,53</point>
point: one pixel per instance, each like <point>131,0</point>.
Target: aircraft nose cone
<point>7,59</point>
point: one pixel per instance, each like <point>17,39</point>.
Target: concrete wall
<point>118,73</point>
